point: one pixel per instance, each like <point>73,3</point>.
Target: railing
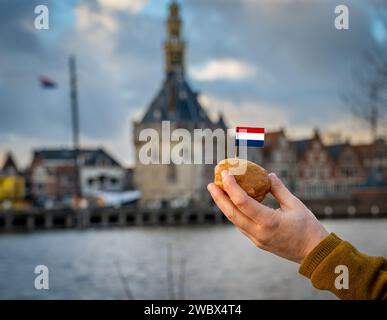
<point>41,219</point>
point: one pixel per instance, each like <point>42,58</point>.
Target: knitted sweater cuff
<point>318,254</point>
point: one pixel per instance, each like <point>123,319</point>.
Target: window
<point>347,172</point>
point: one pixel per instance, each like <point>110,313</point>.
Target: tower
<point>174,45</point>
<point>178,104</point>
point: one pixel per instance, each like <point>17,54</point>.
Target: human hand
<point>291,231</point>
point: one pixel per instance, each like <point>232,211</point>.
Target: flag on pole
<point>47,83</point>
<point>250,137</point>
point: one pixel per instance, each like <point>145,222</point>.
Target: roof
<point>176,102</point>
<point>300,146</point>
<point>271,138</point>
<point>221,123</point>
<point>335,150</point>
<point>9,163</point>
<point>90,155</point>
<point>271,141</point>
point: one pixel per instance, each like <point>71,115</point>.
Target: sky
<point>270,63</point>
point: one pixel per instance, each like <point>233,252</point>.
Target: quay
<point>44,219</point>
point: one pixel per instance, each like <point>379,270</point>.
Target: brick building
<point>52,173</point>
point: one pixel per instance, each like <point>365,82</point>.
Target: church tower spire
<point>174,46</point>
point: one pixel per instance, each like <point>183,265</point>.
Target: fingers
<point>281,193</point>
<point>251,208</point>
<point>230,211</point>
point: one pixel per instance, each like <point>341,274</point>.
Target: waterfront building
<point>348,170</point>
<point>314,167</point>
<point>52,173</point>
<point>12,182</point>
<point>177,103</point>
<point>279,157</point>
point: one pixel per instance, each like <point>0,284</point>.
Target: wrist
<point>318,254</point>
<point>314,241</point>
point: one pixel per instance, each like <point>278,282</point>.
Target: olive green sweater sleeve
<point>335,260</point>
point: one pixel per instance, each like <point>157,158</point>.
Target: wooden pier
<point>42,219</point>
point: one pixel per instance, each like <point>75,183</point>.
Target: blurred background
<point>80,79</point>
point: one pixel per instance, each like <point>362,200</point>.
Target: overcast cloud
<point>284,64</point>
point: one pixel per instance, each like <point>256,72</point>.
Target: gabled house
<point>12,182</point>
<point>348,170</point>
<point>374,159</point>
<point>52,173</point>
<point>279,157</point>
<point>314,168</point>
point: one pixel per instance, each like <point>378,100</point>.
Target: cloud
<point>228,69</point>
<point>246,113</point>
<point>88,19</point>
<point>122,5</point>
<point>286,61</point>
<point>255,114</point>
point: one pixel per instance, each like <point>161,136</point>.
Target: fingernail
<point>273,176</point>
<point>209,187</point>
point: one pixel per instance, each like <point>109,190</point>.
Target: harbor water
<point>192,262</point>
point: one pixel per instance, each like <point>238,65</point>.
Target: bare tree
<point>367,96</point>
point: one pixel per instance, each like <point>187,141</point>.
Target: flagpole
<point>75,123</point>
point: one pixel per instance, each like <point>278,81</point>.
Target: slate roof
<point>176,102</point>
<point>300,146</point>
<point>9,164</point>
<point>90,156</point>
<point>221,122</point>
<point>271,141</point>
<point>335,150</point>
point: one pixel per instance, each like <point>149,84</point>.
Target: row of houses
<point>314,170</point>
<point>310,168</point>
<point>51,178</point>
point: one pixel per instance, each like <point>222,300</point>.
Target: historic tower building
<point>177,103</point>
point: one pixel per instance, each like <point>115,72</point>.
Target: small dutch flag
<point>250,137</point>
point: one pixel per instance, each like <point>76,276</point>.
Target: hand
<point>291,232</point>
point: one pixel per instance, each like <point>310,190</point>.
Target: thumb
<point>281,193</point>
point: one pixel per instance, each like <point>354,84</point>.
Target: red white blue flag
<point>250,137</point>
<point>47,83</point>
